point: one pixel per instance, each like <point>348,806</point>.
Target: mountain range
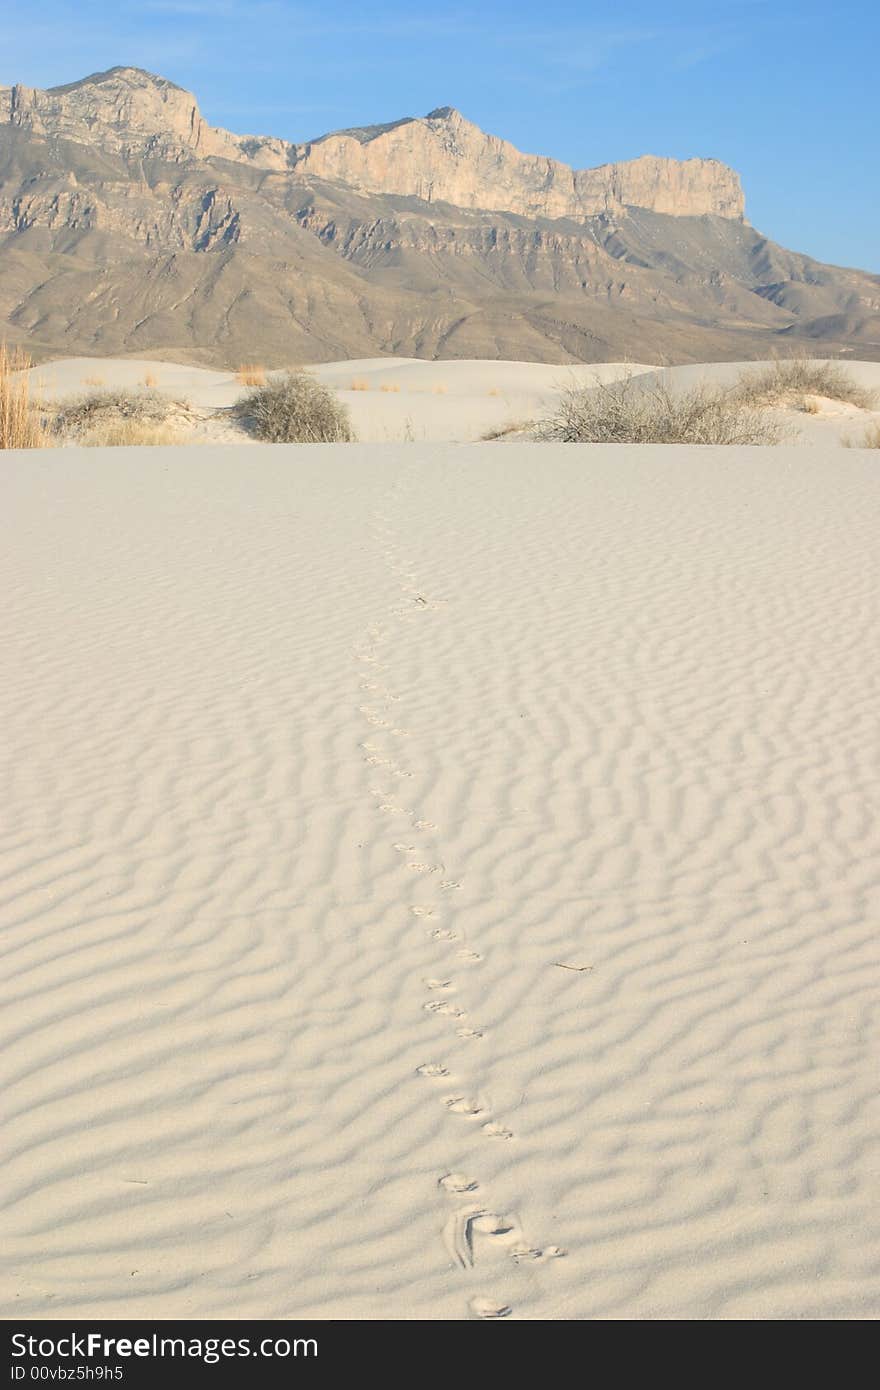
<point>130,226</point>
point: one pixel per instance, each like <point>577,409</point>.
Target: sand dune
<point>440,883</point>
<point>406,399</point>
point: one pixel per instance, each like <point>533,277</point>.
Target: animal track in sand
<point>467,1225</point>
<point>457,1182</point>
<point>472,1229</point>
<point>486,1308</point>
<point>463,1105</point>
<point>494,1130</point>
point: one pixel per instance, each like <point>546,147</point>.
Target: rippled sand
<point>441,882</point>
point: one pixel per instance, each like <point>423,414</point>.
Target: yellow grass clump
<point>92,381</point>
<point>117,434</point>
<point>150,381</point>
<point>251,374</point>
<point>440,390</point>
<point>869,440</point>
<point>20,426</point>
<point>360,384</point>
<point>389,386</point>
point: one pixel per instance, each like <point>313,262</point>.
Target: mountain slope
<point>129,225</point>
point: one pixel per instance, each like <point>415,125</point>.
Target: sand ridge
<point>394,400</point>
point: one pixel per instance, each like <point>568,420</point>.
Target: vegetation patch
<point>296,409</point>
<point>622,412</point>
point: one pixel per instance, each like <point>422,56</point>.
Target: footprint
<point>425,825</point>
<point>432,1069</point>
<point>463,1105</point>
<point>464,1225</point>
<point>405,849</point>
<point>522,1254</point>
<point>443,933</point>
<point>425,868</point>
<point>488,1308</point>
<point>439,984</point>
<point>441,1006</point>
<point>469,955</point>
<point>494,1130</point>
<point>448,884</point>
<point>469,1034</point>
<point>421,911</point>
<point>457,1182</point>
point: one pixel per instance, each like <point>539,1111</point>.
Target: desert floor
<point>441,882</point>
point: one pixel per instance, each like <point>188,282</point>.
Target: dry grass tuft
<point>115,434</point>
<point>360,384</point>
<point>389,386</point>
<point>296,409</point>
<point>20,426</point>
<point>791,380</point>
<point>440,390</point>
<point>150,381</point>
<point>869,440</point>
<point>502,431</point>
<point>620,412</point>
<point>251,374</point>
<point>92,381</point>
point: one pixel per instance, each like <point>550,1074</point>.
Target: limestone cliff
<point>440,157</point>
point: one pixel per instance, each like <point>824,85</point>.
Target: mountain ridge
<point>442,155</point>
<point>129,226</point>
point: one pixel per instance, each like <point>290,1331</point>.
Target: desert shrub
<point>20,425</point>
<point>98,409</point>
<point>792,379</point>
<point>296,409</point>
<point>621,412</point>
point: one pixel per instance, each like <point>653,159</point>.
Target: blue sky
<point>785,92</point>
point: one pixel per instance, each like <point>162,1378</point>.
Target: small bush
<point>792,379</point>
<point>98,412</point>
<point>620,412</point>
<point>20,426</point>
<point>296,409</point>
<point>360,384</point>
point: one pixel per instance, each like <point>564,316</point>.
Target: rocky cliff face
<point>128,225</point>
<point>441,157</point>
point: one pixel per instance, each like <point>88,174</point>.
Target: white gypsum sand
<point>393,400</point>
<point>422,862</point>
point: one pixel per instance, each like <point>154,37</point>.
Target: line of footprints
<point>472,1224</point>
